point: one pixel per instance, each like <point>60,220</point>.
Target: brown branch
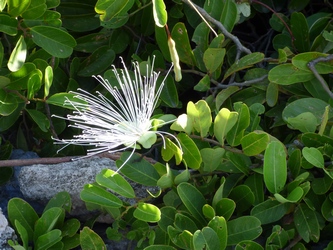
<point>56,160</point>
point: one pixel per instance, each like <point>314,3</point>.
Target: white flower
<point>115,125</point>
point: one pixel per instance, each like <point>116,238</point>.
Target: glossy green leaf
<point>48,80</point>
<point>147,212</point>
<point>191,153</point>
<point>110,9</point>
<point>243,228</point>
<point>59,99</point>
<point>223,123</point>
<point>99,196</point>
<point>138,169</point>
<point>35,9</point>
<point>256,183</point>
<point>243,197</point>
<point>208,211</point>
<point>40,119</point>
<point>183,222</point>
<point>89,240</point>
<point>18,55</point>
<point>203,85</point>
<point>306,223</point>
<point>55,41</point>
<point>300,30</point>
<point>182,239</point>
<point>206,239</point>
<point>254,143</point>
<point>23,233</point>
<point>211,158</point>
<point>269,211</point>
<point>301,61</point>
<point>17,7</point>
<point>97,62</point>
<point>48,240</point>
<point>219,225</point>
<point>50,17</point>
<point>115,182</point>
<point>241,162</point>
<point>8,103</point>
<point>167,217</point>
<point>170,150</point>
<point>321,185</point>
<point>225,207</point>
<point>315,140</point>
<point>48,221</point>
<point>286,74</point>
<point>244,63</point>
<point>313,156</point>
<point>293,197</point>
<point>21,211</point>
<point>275,167</point>
<point>236,133</point>
<point>180,36</point>
<point>169,94</point>
<point>213,58</point>
<point>159,12</point>
<point>326,209</point>
<point>248,244</point>
<point>193,200</point>
<point>305,122</point>
<point>224,94</point>
<point>8,25</point>
<point>200,115</point>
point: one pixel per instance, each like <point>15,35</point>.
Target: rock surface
<point>6,233</point>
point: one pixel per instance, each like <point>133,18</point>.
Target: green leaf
<point>159,247</point>
<point>169,94</point>
<point>110,9</point>
<point>48,240</point>
<point>301,61</point>
<point>48,221</point>
<point>97,195</point>
<point>211,158</point>
<point>306,223</point>
<point>180,36</point>
<point>191,153</point>
<point>170,150</point>
<point>244,63</point>
<point>223,123</point>
<point>115,182</point>
<point>36,9</point>
<point>236,133</point>
<point>8,25</point>
<point>167,217</point>
<point>256,183</point>
<point>138,169</point>
<point>305,122</point>
<point>183,124</point>
<point>8,103</point>
<point>193,200</point>
<point>59,99</point>
<point>206,239</point>
<point>300,30</point>
<point>243,228</point>
<point>89,240</point>
<point>286,74</point>
<point>40,119</point>
<point>200,115</point>
<point>293,197</point>
<point>48,80</point>
<point>55,41</point>
<point>70,227</point>
<point>270,211</point>
<point>203,85</point>
<point>314,156</point>
<point>16,7</point>
<point>254,143</point>
<point>272,94</point>
<point>159,12</point>
<point>248,244</point>
<point>21,211</point>
<point>23,234</point>
<point>62,200</point>
<point>224,94</point>
<point>18,55</point>
<point>275,167</point>
<point>213,59</point>
<point>147,212</point>
<point>219,225</point>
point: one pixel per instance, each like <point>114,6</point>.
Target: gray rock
<point>42,182</point>
<point>6,233</point>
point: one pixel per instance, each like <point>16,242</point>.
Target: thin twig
<point>242,84</point>
<point>220,26</point>
<point>56,160</point>
<point>311,65</point>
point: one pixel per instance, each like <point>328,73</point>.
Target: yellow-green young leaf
<point>109,9</point>
<point>170,150</point>
<point>48,80</point>
<point>34,83</point>
<point>18,55</point>
<point>254,143</point>
<point>313,156</point>
<point>244,63</point>
<point>147,212</point>
<point>324,120</point>
<point>200,115</point>
<point>160,13</point>
<point>223,123</point>
<point>115,182</point>
<point>191,154</point>
<point>175,59</point>
<point>183,124</point>
<point>89,240</point>
<point>275,167</point>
